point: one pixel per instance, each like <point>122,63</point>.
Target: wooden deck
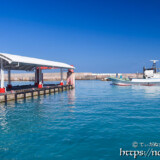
<point>23,92</point>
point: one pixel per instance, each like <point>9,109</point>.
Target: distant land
<point>79,76</point>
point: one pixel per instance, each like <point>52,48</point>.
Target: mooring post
<point>71,77</point>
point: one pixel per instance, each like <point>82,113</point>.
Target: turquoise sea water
<point>91,122</point>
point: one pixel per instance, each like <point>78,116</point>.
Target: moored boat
<point>150,78</point>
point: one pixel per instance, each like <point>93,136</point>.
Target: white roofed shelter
<point>10,62</point>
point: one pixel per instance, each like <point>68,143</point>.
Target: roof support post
<point>40,84</point>
<point>61,83</point>
<point>9,79</point>
<point>2,89</point>
<point>36,77</point>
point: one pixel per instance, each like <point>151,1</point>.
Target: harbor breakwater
<point>78,76</point>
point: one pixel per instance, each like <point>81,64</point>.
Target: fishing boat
<point>151,77</point>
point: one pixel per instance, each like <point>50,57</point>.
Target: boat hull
<point>142,82</point>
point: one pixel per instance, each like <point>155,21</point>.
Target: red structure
<point>2,90</point>
<point>39,78</point>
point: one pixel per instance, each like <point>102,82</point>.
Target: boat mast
<point>154,65</point>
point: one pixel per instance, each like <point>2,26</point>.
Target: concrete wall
<point>79,76</point>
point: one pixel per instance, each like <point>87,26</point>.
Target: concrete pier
<point>14,95</point>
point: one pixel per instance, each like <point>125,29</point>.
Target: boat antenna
<point>154,65</point>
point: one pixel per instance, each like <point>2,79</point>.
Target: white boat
<point>150,78</point>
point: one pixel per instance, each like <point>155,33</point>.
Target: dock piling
<point>24,94</point>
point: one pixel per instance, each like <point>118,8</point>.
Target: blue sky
<point>93,35</point>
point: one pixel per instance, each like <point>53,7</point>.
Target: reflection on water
<point>148,91</point>
<point>71,99</point>
<point>3,122</point>
<point>71,96</point>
